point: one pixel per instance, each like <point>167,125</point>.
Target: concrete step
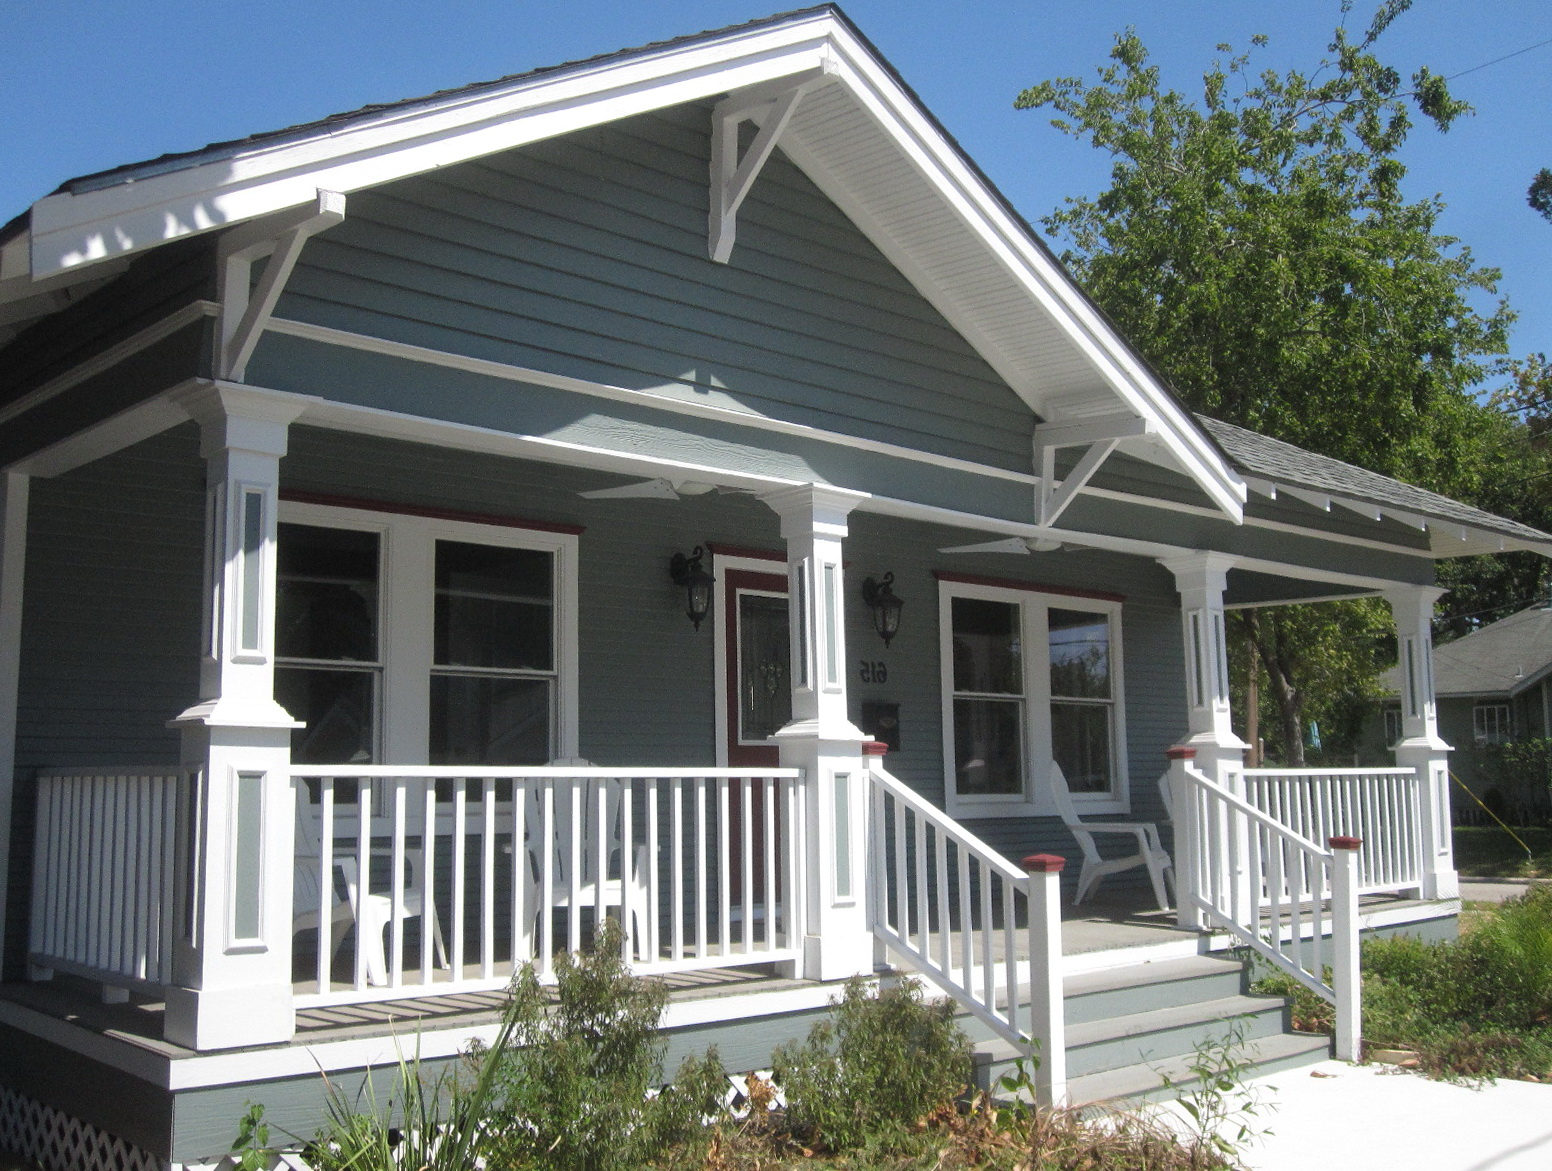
<point>1145,1082</point>
<point>1118,992</point>
<point>1162,1033</point>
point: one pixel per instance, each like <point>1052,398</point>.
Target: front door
<point>758,666</point>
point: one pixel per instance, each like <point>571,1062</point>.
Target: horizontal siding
<point>156,284</point>
<point>586,256</point>
<point>110,625</point>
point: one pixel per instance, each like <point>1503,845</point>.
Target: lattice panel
<point>57,1142</point>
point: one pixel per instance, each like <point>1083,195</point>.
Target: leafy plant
<point>576,1085</point>
<point>886,1060</point>
<point>1222,1108</point>
<point>250,1149</point>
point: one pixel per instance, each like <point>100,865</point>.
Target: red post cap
<point>1346,843</point>
<point>1180,752</point>
<point>874,748</point>
<point>1043,863</point>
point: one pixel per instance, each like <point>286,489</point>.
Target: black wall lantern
<point>697,583</point>
<point>880,597</point>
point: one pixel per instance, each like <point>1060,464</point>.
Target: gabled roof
<point>1454,528</point>
<point>863,137</point>
<point>1499,660</point>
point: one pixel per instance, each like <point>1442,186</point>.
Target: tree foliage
<point>1255,244</point>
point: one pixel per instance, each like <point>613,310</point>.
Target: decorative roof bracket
<point>1100,435</point>
<point>770,106</point>
<point>245,306</point>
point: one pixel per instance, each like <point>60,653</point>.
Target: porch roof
<point>1268,464</point>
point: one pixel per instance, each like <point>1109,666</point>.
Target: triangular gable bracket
<point>770,107</point>
<point>1100,436</point>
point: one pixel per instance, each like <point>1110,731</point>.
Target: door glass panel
<point>988,746</point>
<point>495,607</point>
<point>765,688</point>
<point>490,719</point>
<point>987,654</point>
<point>1080,654</point>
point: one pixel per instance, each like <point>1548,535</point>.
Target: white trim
<point>720,564</point>
<point>1034,606</point>
<point>74,229</point>
<point>406,593</point>
<point>742,418</point>
<point>109,358</point>
<point>1301,601</point>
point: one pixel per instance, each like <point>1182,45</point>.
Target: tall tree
<point>1255,244</point>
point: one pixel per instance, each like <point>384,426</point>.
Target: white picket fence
<point>1383,806</point>
<point>109,874</point>
<point>448,879</point>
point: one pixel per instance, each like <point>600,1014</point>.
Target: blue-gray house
<point>430,530</point>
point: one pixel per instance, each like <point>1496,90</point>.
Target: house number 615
<point>874,671</point>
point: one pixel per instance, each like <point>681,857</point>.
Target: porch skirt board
<point>52,1140</point>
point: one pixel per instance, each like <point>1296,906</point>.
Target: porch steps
<point>1128,1028</point>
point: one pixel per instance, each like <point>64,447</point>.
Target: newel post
<point>821,740</point>
<point>233,961</point>
<point>1188,834</point>
<point>1421,748</point>
<point>1047,1020</point>
<point>1346,981</point>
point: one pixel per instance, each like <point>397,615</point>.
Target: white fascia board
<point>1036,272</point>
<point>70,230</point>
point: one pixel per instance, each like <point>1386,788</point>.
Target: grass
<point>1490,852</point>
<point>1480,1007</point>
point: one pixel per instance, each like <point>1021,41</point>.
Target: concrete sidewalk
<point>1376,1118</point>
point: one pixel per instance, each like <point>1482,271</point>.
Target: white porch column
<point>14,488</point>
<point>821,739</point>
<point>1201,579</point>
<point>1420,746</point>
<point>234,960</point>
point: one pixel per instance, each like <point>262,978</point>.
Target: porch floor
<point>1109,923</point>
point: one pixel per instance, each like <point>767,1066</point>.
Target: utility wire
<point>1496,60</point>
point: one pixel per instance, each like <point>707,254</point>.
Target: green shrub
<point>575,1084</point>
<point>884,1061</point>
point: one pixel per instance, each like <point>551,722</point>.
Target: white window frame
<point>406,615</point>
<point>1503,717</point>
<point>1034,634</point>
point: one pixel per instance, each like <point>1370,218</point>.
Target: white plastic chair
<point>1150,851</point>
<point>564,861</point>
<point>373,914</point>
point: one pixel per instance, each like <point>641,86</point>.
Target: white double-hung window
<point>414,639</point>
<point>1030,677</point>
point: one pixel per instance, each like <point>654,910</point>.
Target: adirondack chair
<point>564,860</point>
<point>372,914</point>
<point>1150,852</point>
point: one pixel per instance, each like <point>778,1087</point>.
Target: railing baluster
<point>522,879</point>
<point>398,857</point>
<point>768,798</point>
<point>547,861</point>
<point>487,881</point>
<point>325,864</point>
<point>988,942</point>
<point>628,909</point>
<point>724,871</point>
<point>923,912</point>
<point>676,870</point>
<point>966,937</point>
<point>945,926</point>
<point>702,871</point>
<point>746,825</point>
<point>575,861</point>
<point>652,913</point>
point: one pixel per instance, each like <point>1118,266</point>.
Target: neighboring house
<point>347,470</point>
<point>1493,686</point>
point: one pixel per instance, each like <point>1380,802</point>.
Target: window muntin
<point>475,664</point>
<point>1492,723</point>
<point>988,698</point>
<point>1030,677</point>
<point>328,671</point>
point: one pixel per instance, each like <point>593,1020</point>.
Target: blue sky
<point>90,84</point>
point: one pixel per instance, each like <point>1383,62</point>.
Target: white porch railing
<point>1383,806</point>
<point>108,874</point>
<point>492,868</point>
<point>1291,901</point>
<point>971,921</point>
